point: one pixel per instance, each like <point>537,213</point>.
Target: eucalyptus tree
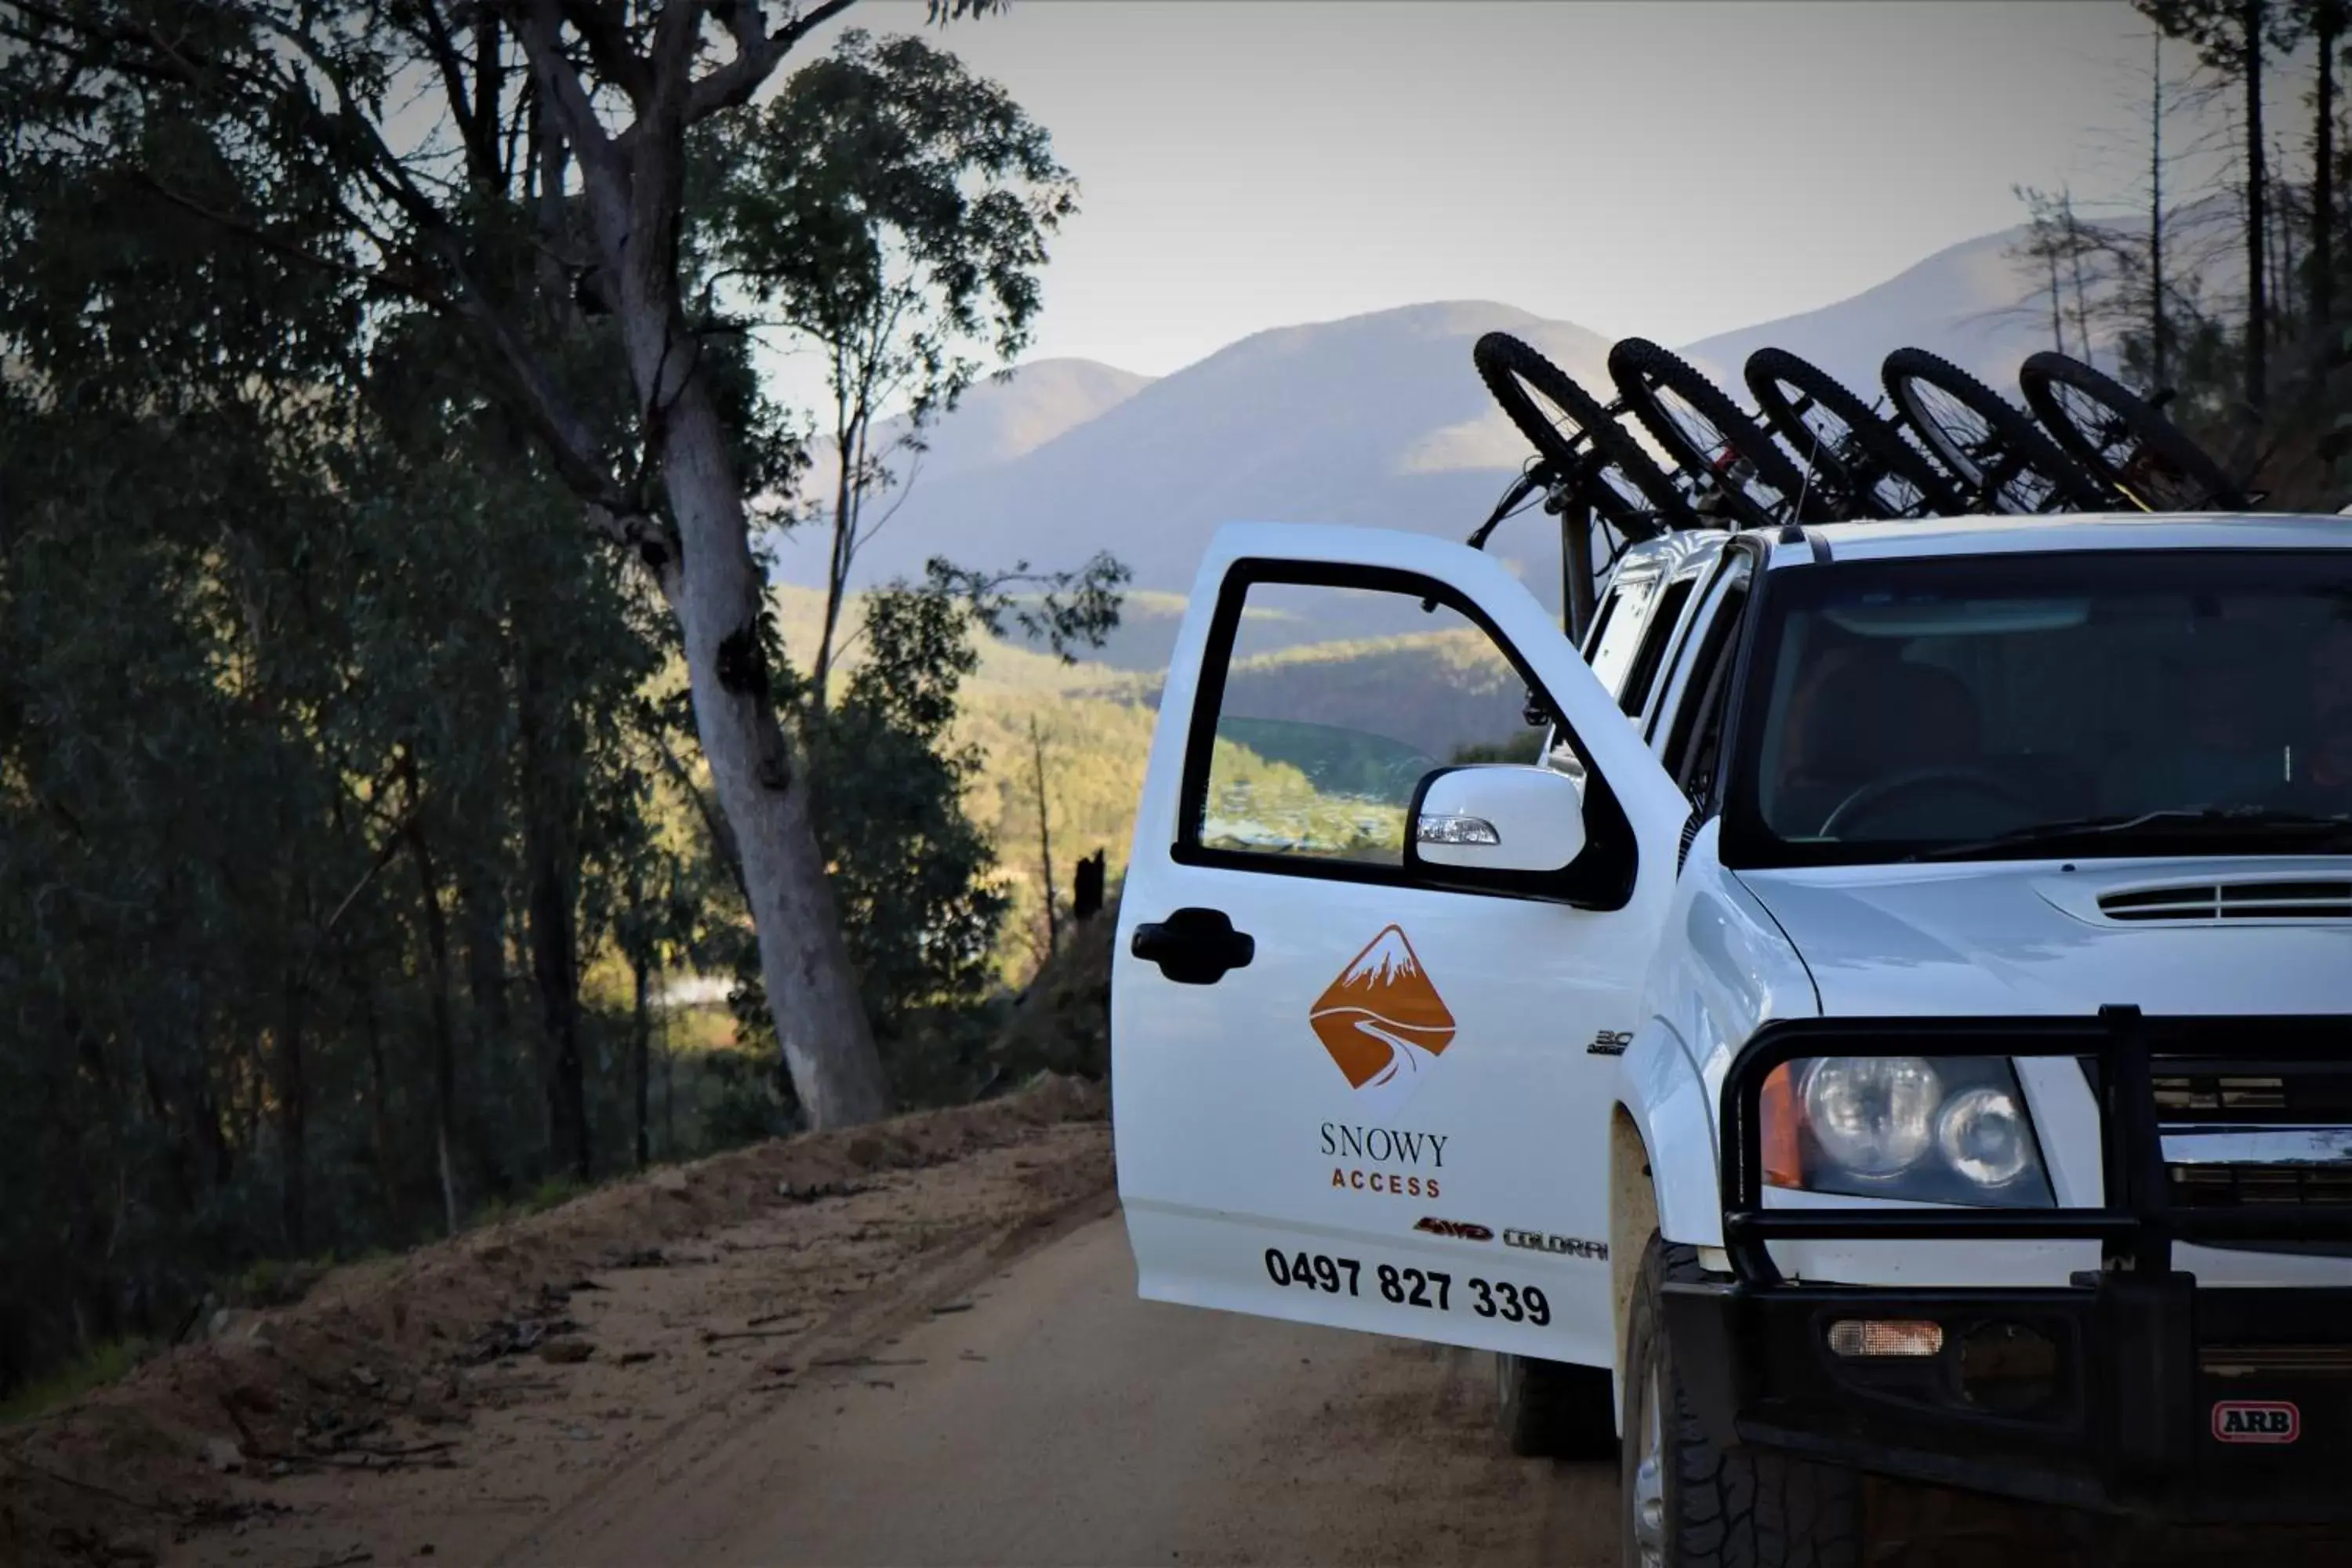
<point>522,166</point>
<point>892,209</point>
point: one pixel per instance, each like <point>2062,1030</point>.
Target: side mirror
<point>1496,817</point>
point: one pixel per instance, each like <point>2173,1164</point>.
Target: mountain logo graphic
<point>1382,1021</point>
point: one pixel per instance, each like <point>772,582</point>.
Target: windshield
<point>2108,703</point>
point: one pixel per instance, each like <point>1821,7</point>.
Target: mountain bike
<point>1734,464</point>
<point>1581,445</point>
<point>1870,468</point>
<point>2125,440</point>
<point>2001,458</point>
<point>1591,474</point>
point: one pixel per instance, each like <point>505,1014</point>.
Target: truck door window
<point>1656,638</point>
<point>1600,619</point>
<point>1694,742</point>
<point>1331,703</point>
<point>1618,634</point>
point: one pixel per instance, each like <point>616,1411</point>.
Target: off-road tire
<point>2015,449</point>
<point>1510,368</point>
<point>1782,383</point>
<point>2198,483</point>
<point>1551,1410</point>
<point>1642,369</point>
<point>1744,1508</point>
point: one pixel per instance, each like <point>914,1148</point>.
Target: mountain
<point>1377,419</point>
<point>1000,419</point>
<point>1967,303</point>
<point>1973,303</point>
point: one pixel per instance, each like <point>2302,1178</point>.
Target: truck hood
<point>2030,938</point>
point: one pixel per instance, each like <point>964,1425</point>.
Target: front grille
<point>2244,1186</point>
<point>2197,904</point>
<point>2272,1361</point>
<point>2313,1097</point>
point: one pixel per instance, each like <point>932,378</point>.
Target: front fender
<point>1660,1091</point>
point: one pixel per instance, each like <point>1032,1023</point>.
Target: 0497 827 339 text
<point>1426,1288</point>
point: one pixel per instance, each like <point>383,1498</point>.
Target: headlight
<point>1984,1136</point>
<point>1954,1131</point>
<point>1874,1115</point>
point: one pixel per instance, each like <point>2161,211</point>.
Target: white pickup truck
<point>1885,1004</point>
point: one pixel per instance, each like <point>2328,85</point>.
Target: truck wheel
<point>1685,1503</point>
<point>1551,1410</point>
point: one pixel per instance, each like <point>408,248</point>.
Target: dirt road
<point>918,1347</point>
<point>911,1346</point>
<point>1059,1420</point>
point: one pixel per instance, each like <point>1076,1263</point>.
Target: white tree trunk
<point>812,989</point>
<point>635,187</point>
<point>716,589</point>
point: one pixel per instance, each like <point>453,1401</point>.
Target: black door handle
<point>1193,947</point>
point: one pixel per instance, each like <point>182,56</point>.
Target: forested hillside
<point>388,724</point>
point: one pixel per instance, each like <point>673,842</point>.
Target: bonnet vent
<point>2196,902</point>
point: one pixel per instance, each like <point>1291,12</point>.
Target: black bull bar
<point>2130,1388</point>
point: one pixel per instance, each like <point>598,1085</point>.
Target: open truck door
<point>1378,947</point>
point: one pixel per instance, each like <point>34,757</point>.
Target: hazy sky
<point>1658,168</point>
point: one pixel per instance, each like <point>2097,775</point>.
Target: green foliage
<point>752,1096</point>
<point>1524,747</point>
<point>1257,802</point>
<point>893,209</point>
<point>348,806</point>
<point>912,869</point>
<point>553,1192</point>
<point>914,866</point>
<point>107,1361</point>
<point>891,204</point>
<point>1096,748</point>
<point>314,740</point>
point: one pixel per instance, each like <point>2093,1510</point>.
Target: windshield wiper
<point>2318,834</point>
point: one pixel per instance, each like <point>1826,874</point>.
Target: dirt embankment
<point>481,1382</point>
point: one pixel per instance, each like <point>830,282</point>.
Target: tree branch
<point>676,33</point>
<point>403,284</point>
<point>542,28</point>
<point>165,61</point>
<point>758,53</point>
<point>570,442</point>
<point>481,152</point>
<point>604,27</point>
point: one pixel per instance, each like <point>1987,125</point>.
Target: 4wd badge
<point>2256,1421</point>
<point>1382,1021</point>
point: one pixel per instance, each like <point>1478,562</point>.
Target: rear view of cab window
<point>1651,656</point>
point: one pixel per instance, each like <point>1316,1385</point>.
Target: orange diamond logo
<point>1382,1021</point>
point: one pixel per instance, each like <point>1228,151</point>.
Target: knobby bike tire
<point>1784,385</point>
<point>2136,452</point>
<point>1995,472</point>
<point>1641,368</point>
<point>1509,367</point>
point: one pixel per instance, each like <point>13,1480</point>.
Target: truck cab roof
<point>1790,546</point>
